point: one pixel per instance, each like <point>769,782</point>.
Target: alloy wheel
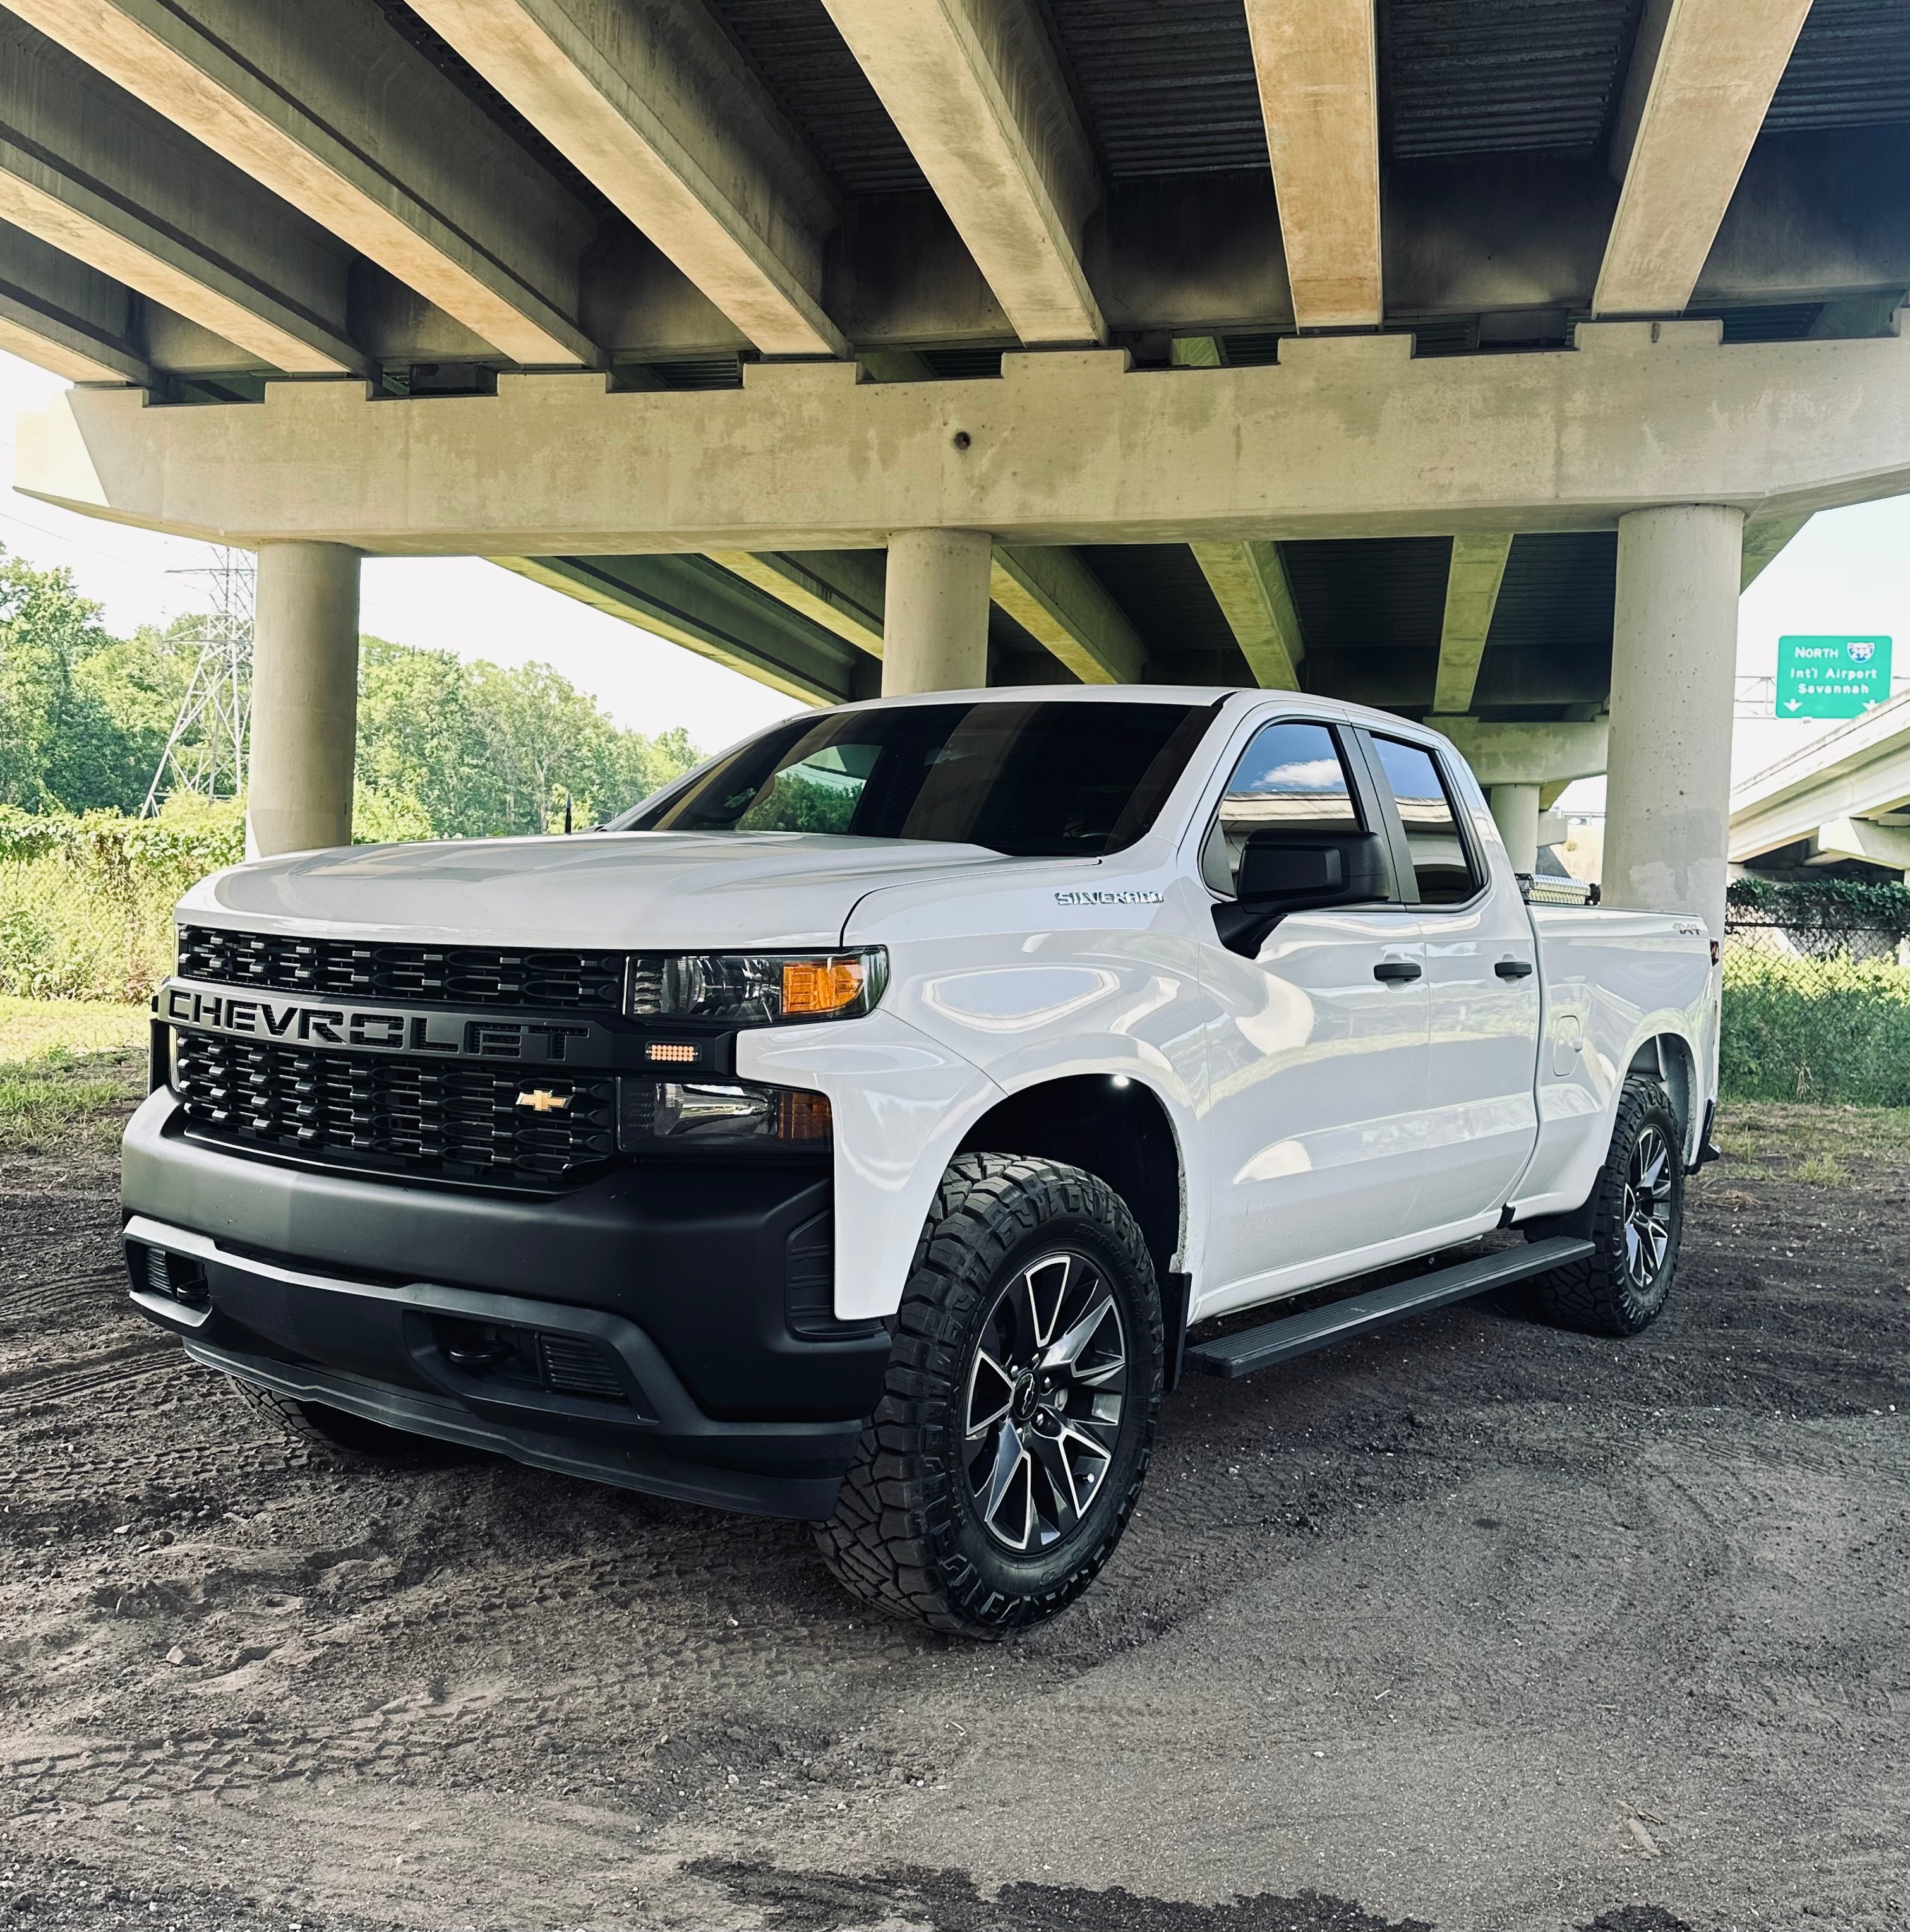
<point>1045,1393</point>
<point>1646,1216</point>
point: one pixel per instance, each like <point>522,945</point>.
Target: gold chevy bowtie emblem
<point>544,1101</point>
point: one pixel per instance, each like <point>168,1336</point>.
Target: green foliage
<point>445,749</point>
<point>481,751</point>
<point>61,744</point>
<point>86,901</point>
<point>1882,908</point>
<point>795,803</point>
<point>1833,1030</point>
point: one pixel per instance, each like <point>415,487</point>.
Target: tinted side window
<point>1291,774</point>
<point>1441,863</point>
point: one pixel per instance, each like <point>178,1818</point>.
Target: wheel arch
<point>1120,1129</point>
<point>1670,1057</point>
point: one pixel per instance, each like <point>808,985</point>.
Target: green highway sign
<point>1831,677</point>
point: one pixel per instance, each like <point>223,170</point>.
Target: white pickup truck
<point>870,1127</point>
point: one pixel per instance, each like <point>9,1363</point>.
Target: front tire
<point>1017,1417</point>
<point>1635,1220</point>
<point>319,1425</point>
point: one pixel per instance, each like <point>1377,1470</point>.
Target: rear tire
<point>1635,1219</point>
<point>1017,1416</point>
<point>319,1425</point>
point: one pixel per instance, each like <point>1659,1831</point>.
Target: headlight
<point>719,1113</point>
<point>756,989</point>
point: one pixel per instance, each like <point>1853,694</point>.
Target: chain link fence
<point>1817,993</point>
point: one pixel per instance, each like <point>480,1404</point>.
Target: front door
<point>1317,1042</point>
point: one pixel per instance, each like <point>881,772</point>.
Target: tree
<point>61,745</point>
<point>479,750</point>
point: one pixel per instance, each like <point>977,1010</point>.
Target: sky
<point>1847,571</point>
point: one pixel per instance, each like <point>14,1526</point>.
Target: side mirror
<point>1284,869</point>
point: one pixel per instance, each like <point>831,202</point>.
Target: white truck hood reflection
<point>604,891</point>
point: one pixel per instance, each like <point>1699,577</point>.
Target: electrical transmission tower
<point>206,750</point>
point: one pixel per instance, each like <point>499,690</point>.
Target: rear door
<point>1482,983</point>
<point>1317,1046</point>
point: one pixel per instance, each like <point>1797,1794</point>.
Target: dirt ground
<point>1472,1625</point>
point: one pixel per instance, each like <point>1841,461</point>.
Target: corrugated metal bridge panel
<point>1850,68</point>
<point>812,77</point>
<point>1550,645</point>
<point>1165,89</point>
<point>1497,76</point>
<point>1166,598</point>
<point>1371,610</point>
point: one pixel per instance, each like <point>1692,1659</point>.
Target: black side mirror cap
<point>1284,870</point>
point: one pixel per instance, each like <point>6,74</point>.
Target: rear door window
<point>1442,860</point>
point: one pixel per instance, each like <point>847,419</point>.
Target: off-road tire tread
<point>1593,1296</point>
<point>293,1418</point>
<point>892,1540</point>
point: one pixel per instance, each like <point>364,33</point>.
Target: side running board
<point>1260,1347</point>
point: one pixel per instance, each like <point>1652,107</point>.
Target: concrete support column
<point>1516,811</point>
<point>935,617</point>
<point>304,698</point>
<point>1674,662</point>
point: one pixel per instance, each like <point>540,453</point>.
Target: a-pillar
<point>304,698</point>
<point>1516,812</point>
<point>1674,667</point>
<point>935,612</point>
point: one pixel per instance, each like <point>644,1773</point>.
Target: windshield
<point>1037,779</point>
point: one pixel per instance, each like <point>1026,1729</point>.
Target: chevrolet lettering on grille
<point>368,1029</point>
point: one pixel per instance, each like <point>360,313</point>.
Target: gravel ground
<point>1472,1625</point>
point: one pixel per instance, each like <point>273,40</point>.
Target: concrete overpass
<point>1463,359</point>
<point>1844,797</point>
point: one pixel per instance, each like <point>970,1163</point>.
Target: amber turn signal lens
<point>805,1117</point>
<point>820,986</point>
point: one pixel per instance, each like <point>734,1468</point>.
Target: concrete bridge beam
<point>1069,447</point>
<point>341,118</point>
<point>978,94</point>
<point>654,104</point>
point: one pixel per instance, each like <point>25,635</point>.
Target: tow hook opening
<point>534,1358</point>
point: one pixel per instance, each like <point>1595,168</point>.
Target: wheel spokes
<point>1046,1285</point>
<point>988,1381</point>
<point>1067,1352</point>
<point>1046,1391</point>
<point>1064,1498</point>
<point>1010,1471</point>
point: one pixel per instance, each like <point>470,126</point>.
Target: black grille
<point>455,1122</point>
<point>364,969</point>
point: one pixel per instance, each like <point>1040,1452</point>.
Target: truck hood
<point>613,890</point>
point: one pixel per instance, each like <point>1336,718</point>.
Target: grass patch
<point>68,1069</point>
<point>31,1028</point>
<point>1833,1141</point>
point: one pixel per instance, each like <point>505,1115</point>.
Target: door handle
<point>1397,969</point>
<point>1512,969</point>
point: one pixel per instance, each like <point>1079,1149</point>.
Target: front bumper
<point>684,1285</point>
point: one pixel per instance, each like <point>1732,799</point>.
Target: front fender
<point>901,1102</point>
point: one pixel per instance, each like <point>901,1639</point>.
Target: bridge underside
<point>1396,316</point>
